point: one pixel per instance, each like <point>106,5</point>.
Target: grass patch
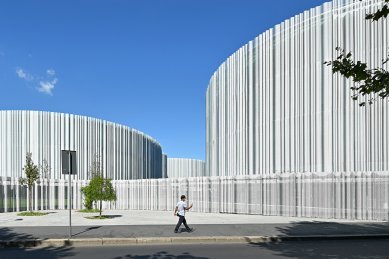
<point>32,213</point>
<point>104,217</point>
<point>99,217</point>
<point>89,211</point>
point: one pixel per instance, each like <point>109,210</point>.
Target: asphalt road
<point>290,249</point>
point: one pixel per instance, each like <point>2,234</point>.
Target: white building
<point>274,107</point>
<point>184,167</point>
<point>124,153</point>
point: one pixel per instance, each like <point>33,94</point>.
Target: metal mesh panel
<point>359,195</point>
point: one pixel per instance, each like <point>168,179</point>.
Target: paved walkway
<point>157,224</point>
<point>145,217</point>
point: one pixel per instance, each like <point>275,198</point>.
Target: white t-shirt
<point>181,208</point>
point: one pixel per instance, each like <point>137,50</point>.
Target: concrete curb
<point>178,240</point>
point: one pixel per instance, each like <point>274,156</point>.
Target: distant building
<point>183,168</point>
<point>164,166</point>
<point>124,153</point>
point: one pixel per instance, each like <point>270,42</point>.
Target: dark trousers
<point>180,221</point>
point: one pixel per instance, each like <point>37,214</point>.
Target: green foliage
<point>372,83</point>
<point>368,81</point>
<point>31,170</point>
<point>97,185</point>
<point>102,189</point>
<point>98,217</point>
<point>89,211</point>
<point>95,169</point>
<point>380,13</point>
<point>32,175</point>
<point>88,201</point>
<point>99,189</point>
<point>32,213</point>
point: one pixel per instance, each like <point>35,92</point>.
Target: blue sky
<point>142,63</point>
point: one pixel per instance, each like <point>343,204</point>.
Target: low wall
<point>363,196</point>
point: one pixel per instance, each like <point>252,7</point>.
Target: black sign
<point>65,162</point>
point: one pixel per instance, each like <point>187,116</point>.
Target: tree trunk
<point>101,205</point>
<point>30,198</point>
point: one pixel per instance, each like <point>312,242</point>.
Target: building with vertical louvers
<point>124,153</point>
<point>274,107</point>
<point>184,167</point>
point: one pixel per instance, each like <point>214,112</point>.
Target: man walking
<point>180,212</point>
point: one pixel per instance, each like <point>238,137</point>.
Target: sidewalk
<point>134,227</point>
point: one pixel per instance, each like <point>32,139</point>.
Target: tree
<point>367,81</point>
<point>100,189</point>
<point>32,175</point>
<point>95,169</point>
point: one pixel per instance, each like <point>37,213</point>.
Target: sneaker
<point>190,230</point>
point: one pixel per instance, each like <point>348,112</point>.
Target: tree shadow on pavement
<point>333,228</point>
<point>161,255</point>
<point>86,230</point>
<point>12,247</point>
<point>334,247</point>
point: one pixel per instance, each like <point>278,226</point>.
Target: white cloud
<point>50,72</point>
<point>47,86</point>
<point>20,73</point>
<point>24,75</point>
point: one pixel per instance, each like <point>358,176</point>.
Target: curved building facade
<point>184,167</point>
<point>124,153</point>
<point>274,107</point>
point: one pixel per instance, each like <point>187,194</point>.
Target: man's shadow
<point>183,230</point>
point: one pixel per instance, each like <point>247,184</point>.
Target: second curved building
<point>123,153</point>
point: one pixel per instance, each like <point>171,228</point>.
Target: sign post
<point>69,166</point>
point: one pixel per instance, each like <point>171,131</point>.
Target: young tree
<point>32,175</point>
<point>95,169</point>
<point>368,81</point>
<point>100,189</point>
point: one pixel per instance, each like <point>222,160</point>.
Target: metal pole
<point>70,196</point>
<point>70,188</point>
